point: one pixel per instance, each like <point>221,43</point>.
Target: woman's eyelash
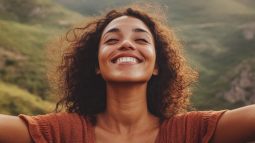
<point>115,40</point>
<point>111,40</point>
<point>142,40</point>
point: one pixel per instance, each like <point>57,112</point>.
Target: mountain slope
<point>219,40</point>
<point>15,100</point>
<point>25,32</point>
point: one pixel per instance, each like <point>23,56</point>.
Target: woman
<point>124,80</point>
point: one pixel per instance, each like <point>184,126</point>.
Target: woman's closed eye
<point>142,41</point>
<point>111,41</point>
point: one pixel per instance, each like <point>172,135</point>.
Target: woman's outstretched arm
<point>13,130</point>
<point>236,126</point>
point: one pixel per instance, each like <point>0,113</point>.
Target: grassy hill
<point>219,40</point>
<point>15,100</point>
<point>218,37</point>
<point>25,32</point>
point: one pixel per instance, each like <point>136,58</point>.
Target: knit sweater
<point>191,127</point>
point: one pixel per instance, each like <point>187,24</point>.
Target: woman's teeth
<point>127,59</point>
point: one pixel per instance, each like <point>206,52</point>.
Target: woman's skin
<point>127,119</point>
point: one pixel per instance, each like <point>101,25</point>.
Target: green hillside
<point>218,37</point>
<point>219,40</point>
<point>25,32</point>
<point>15,100</point>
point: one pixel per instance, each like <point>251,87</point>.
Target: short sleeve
<point>201,125</point>
<point>57,128</point>
<point>209,121</point>
<point>39,127</point>
<point>191,127</point>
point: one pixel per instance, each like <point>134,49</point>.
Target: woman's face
<point>127,51</point>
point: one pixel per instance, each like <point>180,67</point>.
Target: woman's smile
<point>126,58</point>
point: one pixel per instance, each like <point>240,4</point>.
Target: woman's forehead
<point>126,22</point>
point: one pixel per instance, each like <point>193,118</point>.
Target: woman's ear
<point>98,70</point>
<point>155,71</point>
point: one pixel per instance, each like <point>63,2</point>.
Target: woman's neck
<point>126,109</point>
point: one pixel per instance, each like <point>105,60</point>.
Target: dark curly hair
<point>84,92</point>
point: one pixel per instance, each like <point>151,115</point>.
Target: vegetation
<point>25,32</point>
<point>16,101</point>
<point>214,34</point>
<point>218,37</point>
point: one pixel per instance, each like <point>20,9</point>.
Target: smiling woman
<point>124,79</point>
<point>121,35</point>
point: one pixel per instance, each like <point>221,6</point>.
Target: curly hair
<point>84,92</point>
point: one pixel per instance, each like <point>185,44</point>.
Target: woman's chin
<point>127,79</point>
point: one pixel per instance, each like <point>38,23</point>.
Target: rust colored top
<point>191,127</point>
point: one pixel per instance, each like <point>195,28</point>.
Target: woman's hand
<point>236,126</point>
<point>13,130</point>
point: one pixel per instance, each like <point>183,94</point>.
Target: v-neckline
<point>92,133</point>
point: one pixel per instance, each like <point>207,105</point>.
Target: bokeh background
<point>218,38</point>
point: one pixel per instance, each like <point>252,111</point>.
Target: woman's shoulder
<point>54,126</point>
<point>195,115</point>
<point>57,121</point>
<point>57,117</point>
<point>197,126</point>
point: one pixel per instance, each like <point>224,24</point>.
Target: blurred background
<point>218,38</point>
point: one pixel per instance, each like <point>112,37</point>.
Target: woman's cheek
<point>103,52</point>
<point>149,51</point>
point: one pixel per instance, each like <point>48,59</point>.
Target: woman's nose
<point>127,45</point>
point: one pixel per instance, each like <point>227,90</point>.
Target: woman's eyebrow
<point>113,30</point>
<point>140,30</point>
<point>143,31</point>
<point>137,30</point>
<point>134,30</point>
